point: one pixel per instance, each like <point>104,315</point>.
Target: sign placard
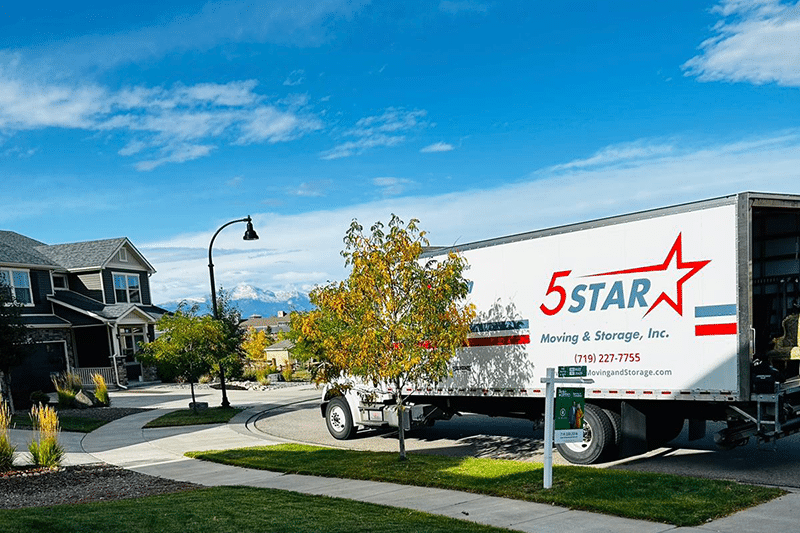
<point>570,406</point>
<point>572,371</point>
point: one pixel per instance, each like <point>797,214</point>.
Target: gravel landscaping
<point>97,482</point>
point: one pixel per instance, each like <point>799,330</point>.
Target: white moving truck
<point>675,313</point>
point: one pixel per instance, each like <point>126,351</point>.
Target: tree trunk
<point>401,434</point>
<point>194,401</point>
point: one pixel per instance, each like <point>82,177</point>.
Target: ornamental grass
<point>101,390</point>
<point>45,450</point>
<point>68,385</point>
<point>6,448</point>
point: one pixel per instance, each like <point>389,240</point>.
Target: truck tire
<point>598,439</point>
<point>339,419</point>
<point>616,424</point>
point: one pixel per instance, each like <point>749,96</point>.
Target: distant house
<point>279,354</point>
<point>87,304</point>
<point>281,323</point>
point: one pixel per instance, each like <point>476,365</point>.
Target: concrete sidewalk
<point>159,452</point>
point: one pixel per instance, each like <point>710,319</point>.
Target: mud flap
<point>697,429</point>
<point>634,431</point>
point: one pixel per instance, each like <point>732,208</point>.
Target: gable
<point>126,258</point>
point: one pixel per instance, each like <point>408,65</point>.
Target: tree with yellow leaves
<point>255,344</point>
<point>396,320</point>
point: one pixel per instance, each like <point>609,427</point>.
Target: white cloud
<point>162,125</point>
<point>235,181</point>
<point>312,188</point>
<point>176,154</point>
<point>624,153</point>
<point>268,124</point>
<point>296,77</point>
<point>437,147</point>
<point>391,186</point>
<point>757,41</point>
<point>302,23</point>
<point>311,242</point>
<point>380,130</point>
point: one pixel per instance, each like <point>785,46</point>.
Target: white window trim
<point>126,275</point>
<point>132,335</point>
<point>123,255</point>
<point>13,288</point>
<point>66,282</point>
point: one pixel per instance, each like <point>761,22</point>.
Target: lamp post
<point>249,235</point>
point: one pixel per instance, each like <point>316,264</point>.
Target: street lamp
<point>249,235</point>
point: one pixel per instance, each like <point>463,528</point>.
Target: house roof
<point>101,311</point>
<point>272,322</point>
<point>285,344</point>
<point>18,249</point>
<point>90,254</point>
<point>49,321</point>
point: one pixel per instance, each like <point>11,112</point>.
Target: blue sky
<point>160,122</point>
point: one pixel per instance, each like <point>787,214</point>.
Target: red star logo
<point>675,254</point>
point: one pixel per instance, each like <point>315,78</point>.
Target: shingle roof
<point>274,323</point>
<point>21,250</point>
<point>106,311</point>
<point>285,344</point>
<point>83,254</point>
<point>49,321</point>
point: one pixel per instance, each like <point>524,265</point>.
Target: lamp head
<point>250,234</point>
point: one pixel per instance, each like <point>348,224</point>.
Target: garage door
<point>34,374</point>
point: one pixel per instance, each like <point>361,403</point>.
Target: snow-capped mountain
<point>251,300</point>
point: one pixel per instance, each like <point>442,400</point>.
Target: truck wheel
<point>339,419</point>
<point>598,439</point>
<point>616,425</point>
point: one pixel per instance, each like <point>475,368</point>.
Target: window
<point>126,288</point>
<point>130,339</point>
<point>60,282</point>
<point>123,255</point>
<point>16,285</point>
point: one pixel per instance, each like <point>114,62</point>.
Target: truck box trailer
<point>681,313</point>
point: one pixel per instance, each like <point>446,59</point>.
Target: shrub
<point>288,372</point>
<point>39,397</point>
<point>45,450</point>
<point>258,372</point>
<point>301,375</point>
<point>6,448</point>
<point>101,390</point>
<point>68,385</point>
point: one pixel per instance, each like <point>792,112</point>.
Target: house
<point>87,304</point>
<point>281,323</point>
<point>279,354</point>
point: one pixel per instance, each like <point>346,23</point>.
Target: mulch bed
<point>29,486</point>
<point>96,482</point>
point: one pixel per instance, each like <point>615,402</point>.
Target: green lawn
<point>187,417</point>
<point>78,424</point>
<point>682,501</point>
<point>229,509</point>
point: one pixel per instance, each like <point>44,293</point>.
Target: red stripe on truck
<point>499,341</point>
<point>715,329</point>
